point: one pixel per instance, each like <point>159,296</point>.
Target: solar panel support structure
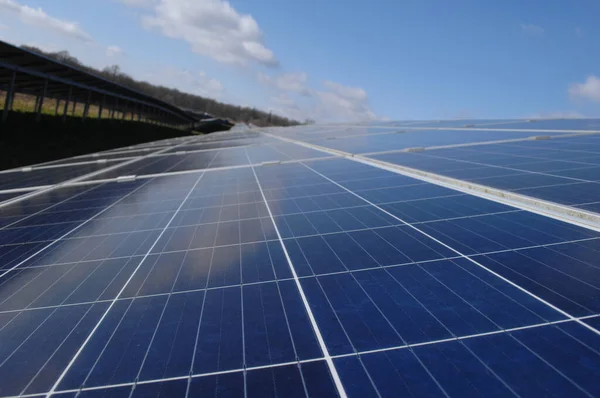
<point>124,112</point>
<point>73,108</point>
<point>38,110</point>
<point>37,102</point>
<point>66,108</point>
<point>86,107</point>
<point>56,107</point>
<point>101,106</point>
<point>112,111</point>
<point>9,96</point>
<point>37,68</point>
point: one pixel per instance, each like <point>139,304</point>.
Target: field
<point>26,103</point>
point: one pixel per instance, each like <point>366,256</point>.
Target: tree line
<point>174,96</point>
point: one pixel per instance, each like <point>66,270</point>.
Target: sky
<point>335,60</point>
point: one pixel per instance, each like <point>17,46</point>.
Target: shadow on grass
<point>23,141</point>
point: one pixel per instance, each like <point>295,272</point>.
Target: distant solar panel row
<point>312,278</point>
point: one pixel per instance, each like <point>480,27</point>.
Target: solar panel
<point>285,268</point>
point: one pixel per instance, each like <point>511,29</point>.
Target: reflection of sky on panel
<point>98,252</point>
<point>408,139</point>
<point>161,195</point>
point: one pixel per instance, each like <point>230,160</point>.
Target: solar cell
<point>322,276</point>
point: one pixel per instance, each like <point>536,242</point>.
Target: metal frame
<point>50,80</point>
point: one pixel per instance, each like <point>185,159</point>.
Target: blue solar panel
<point>530,169</point>
<point>314,277</point>
<point>412,138</point>
<point>522,363</point>
<point>557,124</point>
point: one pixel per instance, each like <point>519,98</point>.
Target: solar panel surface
<point>266,263</point>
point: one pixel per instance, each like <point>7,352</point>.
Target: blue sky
<point>334,60</point>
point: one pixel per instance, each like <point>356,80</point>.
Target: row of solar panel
<point>158,164</point>
<point>181,296</point>
<point>225,154</point>
<point>565,171</point>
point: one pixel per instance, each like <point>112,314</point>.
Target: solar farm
<point>389,259</point>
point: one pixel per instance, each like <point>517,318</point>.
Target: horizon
<point>373,62</point>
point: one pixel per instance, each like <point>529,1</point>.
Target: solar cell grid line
<point>340,388</point>
<point>76,179</point>
<point>90,335</point>
<point>470,259</point>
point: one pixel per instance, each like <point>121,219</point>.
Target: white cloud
<point>37,17</point>
<point>187,81</point>
<point>579,32</point>
<point>343,103</point>
<point>531,29</point>
<point>588,90</point>
<point>333,102</point>
<point>113,51</point>
<point>212,28</point>
<point>290,82</point>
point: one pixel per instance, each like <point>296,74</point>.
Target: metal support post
<point>66,108</point>
<point>73,110</point>
<point>57,106</point>
<point>101,106</point>
<point>9,97</point>
<point>112,113</point>
<point>41,102</point>
<point>86,107</point>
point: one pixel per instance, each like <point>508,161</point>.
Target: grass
<point>26,103</point>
